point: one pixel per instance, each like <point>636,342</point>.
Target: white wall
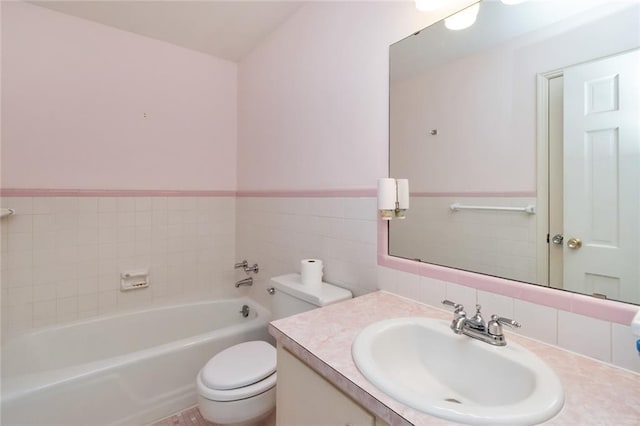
<point>313,97</point>
<point>89,106</point>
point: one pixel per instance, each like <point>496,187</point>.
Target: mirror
<point>520,139</point>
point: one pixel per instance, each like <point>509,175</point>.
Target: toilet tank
<point>291,297</point>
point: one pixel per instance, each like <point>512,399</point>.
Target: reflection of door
<point>602,177</point>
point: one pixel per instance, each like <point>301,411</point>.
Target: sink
<point>423,364</point>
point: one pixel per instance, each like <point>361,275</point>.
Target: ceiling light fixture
<point>463,19</point>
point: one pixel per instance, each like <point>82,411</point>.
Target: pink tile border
<point>45,192</point>
<point>310,193</point>
<point>302,193</point>
<point>607,310</point>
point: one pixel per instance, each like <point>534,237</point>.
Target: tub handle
<point>271,290</point>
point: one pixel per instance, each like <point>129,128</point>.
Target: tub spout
<point>246,281</point>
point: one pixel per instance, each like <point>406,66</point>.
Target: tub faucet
<point>475,326</point>
<point>245,265</point>
<point>245,281</point>
<point>242,264</point>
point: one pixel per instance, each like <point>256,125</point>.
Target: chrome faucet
<point>245,281</point>
<point>476,327</point>
<point>245,266</point>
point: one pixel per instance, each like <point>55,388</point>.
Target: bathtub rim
<point>127,312</point>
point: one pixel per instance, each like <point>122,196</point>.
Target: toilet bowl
<point>238,385</point>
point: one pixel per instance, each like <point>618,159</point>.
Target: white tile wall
<point>62,256</point>
<point>61,259</point>
<point>495,243</point>
<point>278,232</point>
<point>609,342</point>
<point>584,335</point>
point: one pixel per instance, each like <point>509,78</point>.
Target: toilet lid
<point>240,365</point>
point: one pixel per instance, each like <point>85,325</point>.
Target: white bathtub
<point>127,369</point>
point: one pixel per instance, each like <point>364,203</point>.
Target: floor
<point>192,417</point>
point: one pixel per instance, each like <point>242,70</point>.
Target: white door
<point>602,177</point>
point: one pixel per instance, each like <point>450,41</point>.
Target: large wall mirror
<point>520,137</point>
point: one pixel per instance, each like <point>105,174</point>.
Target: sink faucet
<point>476,327</point>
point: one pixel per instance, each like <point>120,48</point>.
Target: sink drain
<point>453,400</point>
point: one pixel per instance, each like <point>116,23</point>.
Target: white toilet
<point>238,385</point>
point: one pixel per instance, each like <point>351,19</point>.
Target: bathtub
<point>126,369</point>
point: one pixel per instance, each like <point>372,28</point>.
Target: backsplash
<point>62,256</point>
<point>605,341</point>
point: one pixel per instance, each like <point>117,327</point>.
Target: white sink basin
<point>423,364</point>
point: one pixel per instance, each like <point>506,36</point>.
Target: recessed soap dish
<point>133,280</point>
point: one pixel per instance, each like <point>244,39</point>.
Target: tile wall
<point>602,340</point>
<point>61,260</point>
<point>62,256</point>
<point>493,242</point>
<point>277,232</point>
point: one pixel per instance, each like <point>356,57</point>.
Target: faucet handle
<point>456,306</point>
<point>506,321</point>
<point>495,325</point>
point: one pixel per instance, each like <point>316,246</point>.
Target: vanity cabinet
<point>304,398</point>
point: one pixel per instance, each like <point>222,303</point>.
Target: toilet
<point>238,385</point>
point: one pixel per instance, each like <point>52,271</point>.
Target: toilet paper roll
<point>386,194</point>
<point>311,272</point>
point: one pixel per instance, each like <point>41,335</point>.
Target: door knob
<point>557,239</point>
<point>574,243</point>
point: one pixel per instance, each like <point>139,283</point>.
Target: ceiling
<point>496,23</point>
<point>225,29</point>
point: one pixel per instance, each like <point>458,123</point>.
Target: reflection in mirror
<point>520,137</point>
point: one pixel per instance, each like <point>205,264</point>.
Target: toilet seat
<point>239,372</point>
<point>236,394</point>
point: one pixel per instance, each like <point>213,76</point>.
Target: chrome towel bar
<point>527,209</point>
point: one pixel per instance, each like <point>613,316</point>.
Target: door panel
<point>602,177</point>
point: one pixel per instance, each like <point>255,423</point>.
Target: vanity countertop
<point>595,393</point>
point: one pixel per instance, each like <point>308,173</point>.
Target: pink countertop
<point>595,393</point>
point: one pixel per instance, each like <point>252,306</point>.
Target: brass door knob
<point>574,243</point>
